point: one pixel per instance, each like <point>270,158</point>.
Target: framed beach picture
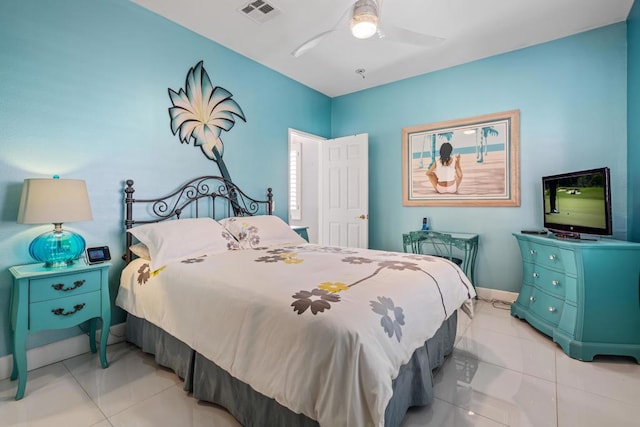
<point>466,162</point>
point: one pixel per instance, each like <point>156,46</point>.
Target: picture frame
<point>482,169</point>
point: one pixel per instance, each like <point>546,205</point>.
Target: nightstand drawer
<point>63,286</point>
<point>551,281</point>
<point>64,312</point>
<point>546,306</point>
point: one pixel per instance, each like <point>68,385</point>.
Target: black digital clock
<point>98,254</point>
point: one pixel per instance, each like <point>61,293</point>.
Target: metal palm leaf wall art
<point>200,113</point>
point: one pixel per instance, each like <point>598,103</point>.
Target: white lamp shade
<point>54,201</point>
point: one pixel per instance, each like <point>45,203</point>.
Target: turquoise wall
<point>83,94</point>
<point>633,117</point>
<point>571,94</point>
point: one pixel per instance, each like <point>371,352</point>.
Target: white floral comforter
<point>322,330</point>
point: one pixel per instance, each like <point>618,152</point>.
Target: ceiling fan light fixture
<point>364,22</point>
<point>364,26</point>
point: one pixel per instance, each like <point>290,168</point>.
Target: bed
<point>278,331</point>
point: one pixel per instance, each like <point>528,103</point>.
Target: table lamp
<point>46,200</point>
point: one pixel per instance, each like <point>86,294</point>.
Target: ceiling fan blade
<point>311,43</point>
<point>402,35</point>
<point>315,40</point>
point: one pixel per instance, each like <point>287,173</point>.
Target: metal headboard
<point>215,191</point>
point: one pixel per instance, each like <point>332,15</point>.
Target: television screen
<point>578,202</point>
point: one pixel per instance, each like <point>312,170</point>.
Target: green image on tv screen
<point>576,201</point>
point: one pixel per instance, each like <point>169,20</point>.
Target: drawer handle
<point>532,298</point>
<point>533,252</point>
<point>536,275</point>
<point>61,312</point>
<point>552,257</point>
<point>552,309</point>
<point>60,286</point>
<point>555,283</point>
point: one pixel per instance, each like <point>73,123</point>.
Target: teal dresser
<point>584,294</point>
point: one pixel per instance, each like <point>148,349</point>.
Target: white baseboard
<point>496,294</point>
<point>60,350</point>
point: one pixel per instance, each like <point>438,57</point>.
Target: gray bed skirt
<point>208,382</point>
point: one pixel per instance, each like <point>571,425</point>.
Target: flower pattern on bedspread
<point>333,286</point>
<point>390,326</point>
<point>399,265</point>
<point>232,243</point>
<point>290,258</point>
<point>286,257</point>
<point>144,273</point>
<point>320,298</point>
<point>250,234</point>
<point>298,249</point>
<point>245,235</point>
<point>193,260</point>
<point>304,300</point>
<point>356,260</point>
<point>269,258</point>
<point>280,250</point>
<point>327,290</point>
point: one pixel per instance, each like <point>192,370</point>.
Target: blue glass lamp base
<point>57,248</point>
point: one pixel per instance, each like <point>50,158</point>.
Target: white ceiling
<point>472,29</point>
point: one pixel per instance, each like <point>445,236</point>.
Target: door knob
<point>363,216</point>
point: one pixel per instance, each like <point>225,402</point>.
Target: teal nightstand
<point>57,298</point>
<point>302,231</point>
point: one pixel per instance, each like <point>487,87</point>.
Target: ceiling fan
<point>363,18</point>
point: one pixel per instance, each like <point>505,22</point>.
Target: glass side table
<point>443,243</point>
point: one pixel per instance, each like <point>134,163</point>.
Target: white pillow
<point>140,250</point>
<point>174,240</point>
<point>261,231</point>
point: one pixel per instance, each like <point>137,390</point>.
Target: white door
<point>344,181</point>
<point>304,182</point>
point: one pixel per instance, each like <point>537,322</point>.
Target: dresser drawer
<point>546,306</point>
<point>64,312</point>
<point>523,297</point>
<point>63,285</point>
<point>547,256</point>
<point>552,281</point>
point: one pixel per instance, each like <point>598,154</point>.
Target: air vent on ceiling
<point>259,11</point>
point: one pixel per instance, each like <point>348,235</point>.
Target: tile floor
<point>502,372</point>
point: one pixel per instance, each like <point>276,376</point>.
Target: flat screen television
<point>578,202</point>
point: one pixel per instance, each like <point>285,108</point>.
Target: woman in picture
<point>445,174</point>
